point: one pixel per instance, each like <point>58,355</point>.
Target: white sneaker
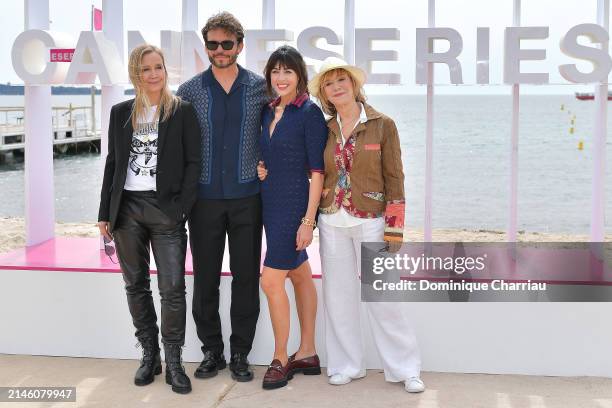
<point>341,379</point>
<point>414,384</point>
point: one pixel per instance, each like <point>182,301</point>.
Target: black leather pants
<point>141,222</point>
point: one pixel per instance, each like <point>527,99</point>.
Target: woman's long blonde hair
<point>168,102</point>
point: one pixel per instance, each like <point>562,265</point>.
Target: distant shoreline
<point>18,90</point>
<point>8,89</point>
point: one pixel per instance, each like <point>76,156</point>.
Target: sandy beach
<point>12,234</point>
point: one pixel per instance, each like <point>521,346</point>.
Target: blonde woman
<point>149,187</point>
<point>362,201</point>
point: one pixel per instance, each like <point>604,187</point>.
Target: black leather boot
<point>150,364</point>
<point>210,365</point>
<point>239,366</point>
<point>175,372</point>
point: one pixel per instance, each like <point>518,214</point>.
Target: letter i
<point>482,55</point>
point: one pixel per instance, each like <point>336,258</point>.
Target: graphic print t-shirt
<point>142,165</point>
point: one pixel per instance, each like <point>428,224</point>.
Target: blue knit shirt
<point>230,125</point>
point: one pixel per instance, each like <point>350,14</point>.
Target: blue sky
<point>151,16</point>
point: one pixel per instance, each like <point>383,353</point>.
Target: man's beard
<point>232,60</point>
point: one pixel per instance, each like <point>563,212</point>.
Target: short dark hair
<point>288,57</point>
<point>225,21</point>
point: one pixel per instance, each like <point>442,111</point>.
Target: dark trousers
<point>141,222</point>
<point>209,223</point>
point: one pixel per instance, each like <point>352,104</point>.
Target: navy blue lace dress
<point>294,149</point>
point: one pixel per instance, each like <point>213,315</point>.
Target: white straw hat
<point>331,63</point>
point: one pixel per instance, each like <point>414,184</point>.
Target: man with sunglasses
<point>228,100</point>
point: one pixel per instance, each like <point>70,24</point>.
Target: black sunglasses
<point>109,248</point>
<point>226,45</point>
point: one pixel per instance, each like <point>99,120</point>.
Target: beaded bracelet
<point>309,222</point>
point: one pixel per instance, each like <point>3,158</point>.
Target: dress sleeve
<point>316,138</point>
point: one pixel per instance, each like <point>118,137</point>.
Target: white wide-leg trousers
<point>340,249</point>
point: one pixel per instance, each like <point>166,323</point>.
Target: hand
<point>394,246</point>
<point>262,172</point>
<point>103,226</point>
<point>303,237</point>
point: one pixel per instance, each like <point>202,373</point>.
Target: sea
<point>471,163</point>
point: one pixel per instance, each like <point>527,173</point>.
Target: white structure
<point>560,339</point>
<point>598,193</point>
<point>39,192</point>
<point>428,221</point>
<point>514,134</point>
<point>520,338</point>
<point>349,31</point>
<point>112,26</point>
<point>186,53</point>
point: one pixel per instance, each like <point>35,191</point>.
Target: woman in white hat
<point>362,201</point>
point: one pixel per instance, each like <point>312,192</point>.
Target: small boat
<point>589,96</point>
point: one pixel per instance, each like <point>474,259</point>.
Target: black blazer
<point>178,162</point>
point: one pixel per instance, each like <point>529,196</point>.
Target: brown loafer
<point>277,376</point>
<point>308,366</point>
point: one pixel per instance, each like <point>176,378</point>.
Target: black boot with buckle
<point>150,364</point>
<point>175,372</point>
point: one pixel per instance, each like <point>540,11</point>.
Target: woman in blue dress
<point>293,139</point>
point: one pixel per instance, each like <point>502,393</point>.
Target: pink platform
<point>84,255</point>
